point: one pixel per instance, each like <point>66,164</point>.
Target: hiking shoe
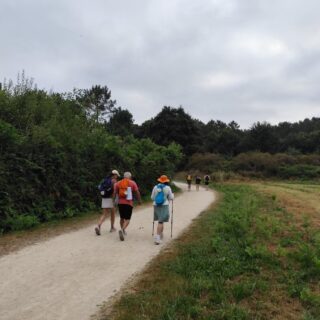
<point>113,229</point>
<point>121,235</point>
<point>124,232</point>
<point>97,230</point>
<point>157,239</point>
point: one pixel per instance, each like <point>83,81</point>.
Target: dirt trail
<point>68,276</point>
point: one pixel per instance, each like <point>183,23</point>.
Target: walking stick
<point>153,227</point>
<point>171,218</point>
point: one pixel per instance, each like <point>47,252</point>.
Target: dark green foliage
<point>173,125</point>
<point>303,171</point>
<point>55,150</point>
<point>96,101</point>
<point>120,123</point>
<point>260,165</point>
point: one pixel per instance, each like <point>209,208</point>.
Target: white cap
<point>127,175</point>
<point>115,172</point>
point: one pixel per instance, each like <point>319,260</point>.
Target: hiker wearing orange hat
<point>161,195</point>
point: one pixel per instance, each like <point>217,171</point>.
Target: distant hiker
<point>198,181</point>
<point>206,181</point>
<point>106,188</point>
<point>124,190</point>
<point>189,180</point>
<point>161,195</point>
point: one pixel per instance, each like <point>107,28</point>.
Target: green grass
<point>245,259</point>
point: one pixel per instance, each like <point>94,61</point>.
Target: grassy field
<point>255,255</point>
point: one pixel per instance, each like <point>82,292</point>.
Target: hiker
<point>161,195</point>
<point>106,188</point>
<point>189,180</point>
<point>124,190</point>
<point>198,181</point>
<point>206,181</point>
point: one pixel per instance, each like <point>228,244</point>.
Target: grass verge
<point>245,259</point>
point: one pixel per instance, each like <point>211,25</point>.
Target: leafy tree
<point>262,137</point>
<point>173,125</point>
<point>97,102</point>
<point>120,122</point>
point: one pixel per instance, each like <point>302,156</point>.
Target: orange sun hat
<point>163,179</point>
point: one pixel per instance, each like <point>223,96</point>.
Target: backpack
<point>160,197</point>
<point>123,187</point>
<point>106,188</point>
<point>189,177</point>
<point>206,178</point>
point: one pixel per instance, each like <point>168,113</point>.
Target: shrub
<point>206,162</point>
<point>299,171</point>
<point>22,222</point>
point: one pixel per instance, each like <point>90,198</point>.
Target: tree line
<point>215,136</point>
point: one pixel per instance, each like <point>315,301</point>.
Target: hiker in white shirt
<point>161,205</point>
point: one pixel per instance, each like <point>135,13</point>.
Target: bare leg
<point>103,216</point>
<point>159,236</point>
<point>121,223</point>
<point>160,229</point>
<point>112,217</point>
<point>101,220</point>
<point>125,224</point>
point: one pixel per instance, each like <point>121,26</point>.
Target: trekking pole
<point>171,218</point>
<point>153,227</point>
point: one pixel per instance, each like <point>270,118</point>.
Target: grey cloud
<point>247,60</point>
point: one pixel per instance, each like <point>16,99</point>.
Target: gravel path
<point>67,277</point>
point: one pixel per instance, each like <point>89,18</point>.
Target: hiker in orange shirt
<point>124,191</point>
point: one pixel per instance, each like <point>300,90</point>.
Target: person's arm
<point>170,194</point>
<point>138,196</point>
<point>153,194</point>
<point>115,191</point>
<point>136,191</point>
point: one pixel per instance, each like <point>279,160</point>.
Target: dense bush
<point>258,164</point>
<point>207,162</point>
<point>54,151</point>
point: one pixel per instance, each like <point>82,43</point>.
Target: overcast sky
<point>242,60</point>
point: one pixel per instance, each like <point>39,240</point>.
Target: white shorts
<point>107,203</point>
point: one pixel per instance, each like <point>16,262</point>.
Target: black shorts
<point>125,211</point>
<point>188,182</point>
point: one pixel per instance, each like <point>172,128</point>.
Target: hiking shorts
<point>107,203</point>
<point>189,182</point>
<point>161,213</point>
<point>125,211</point>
